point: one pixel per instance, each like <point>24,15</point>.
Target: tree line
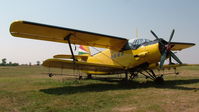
<point>4,63</point>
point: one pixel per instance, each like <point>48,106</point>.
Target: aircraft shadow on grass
<point>121,85</point>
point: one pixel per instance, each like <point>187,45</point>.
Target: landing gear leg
<point>151,74</point>
<point>80,77</point>
<point>126,76</point>
<point>133,75</point>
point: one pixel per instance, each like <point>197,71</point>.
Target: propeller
<point>166,49</point>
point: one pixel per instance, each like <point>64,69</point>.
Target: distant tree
<point>15,64</point>
<point>38,63</point>
<point>3,62</point>
<point>30,64</point>
<point>10,63</point>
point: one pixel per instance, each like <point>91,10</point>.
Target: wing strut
<point>69,43</point>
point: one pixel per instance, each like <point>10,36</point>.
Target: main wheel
<point>159,80</point>
<point>89,76</point>
<point>50,74</point>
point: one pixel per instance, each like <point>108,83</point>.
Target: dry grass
<point>27,89</point>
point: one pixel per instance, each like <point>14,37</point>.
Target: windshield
<point>136,43</point>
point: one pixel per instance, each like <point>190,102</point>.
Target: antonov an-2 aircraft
<point>134,56</point>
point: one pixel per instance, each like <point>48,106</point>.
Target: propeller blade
<point>170,60</point>
<point>175,57</point>
<point>157,38</point>
<point>154,35</point>
<point>163,58</point>
<point>171,36</point>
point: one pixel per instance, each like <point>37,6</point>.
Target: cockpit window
<point>135,43</point>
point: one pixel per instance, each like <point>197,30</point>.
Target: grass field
<point>28,89</point>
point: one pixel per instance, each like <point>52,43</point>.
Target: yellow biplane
<point>134,56</point>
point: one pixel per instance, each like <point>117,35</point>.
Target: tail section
<point>84,50</point>
<point>83,54</point>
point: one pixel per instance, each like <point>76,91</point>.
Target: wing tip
<point>16,22</point>
<point>13,26</point>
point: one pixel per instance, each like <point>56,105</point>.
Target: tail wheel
<point>89,76</point>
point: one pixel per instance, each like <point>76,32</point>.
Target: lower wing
<point>179,45</point>
<point>168,66</point>
<point>79,65</point>
<point>178,65</point>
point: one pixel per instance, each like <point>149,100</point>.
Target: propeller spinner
<point>166,49</point>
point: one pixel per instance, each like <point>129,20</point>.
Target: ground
<point>29,89</point>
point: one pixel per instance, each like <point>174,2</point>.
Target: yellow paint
<point>128,59</point>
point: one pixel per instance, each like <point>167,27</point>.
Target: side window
<point>138,42</point>
<point>135,42</point>
<point>118,54</point>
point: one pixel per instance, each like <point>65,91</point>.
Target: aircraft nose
<point>165,49</point>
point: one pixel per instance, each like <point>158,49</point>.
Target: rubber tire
<point>89,76</point>
<point>159,80</point>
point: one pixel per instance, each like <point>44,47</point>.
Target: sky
<point>111,17</point>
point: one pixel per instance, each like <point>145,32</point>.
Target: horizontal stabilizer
<point>83,57</point>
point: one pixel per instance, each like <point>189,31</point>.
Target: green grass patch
<point>28,89</point>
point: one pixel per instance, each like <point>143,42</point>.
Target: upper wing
<point>39,31</point>
<point>60,63</point>
<point>180,46</point>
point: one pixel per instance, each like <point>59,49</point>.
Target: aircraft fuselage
<point>128,59</point>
